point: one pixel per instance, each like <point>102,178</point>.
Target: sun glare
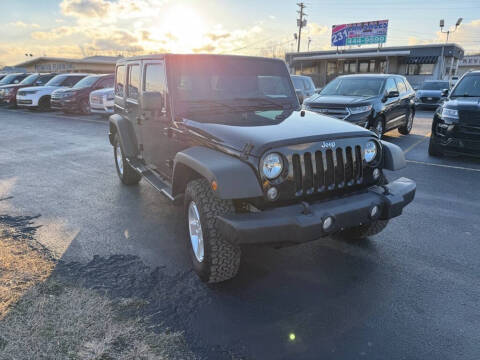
<point>185,28</point>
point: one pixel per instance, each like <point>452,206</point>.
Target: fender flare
<point>393,157</point>
<point>118,124</point>
<point>235,178</point>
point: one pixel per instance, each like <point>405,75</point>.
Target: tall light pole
<point>442,24</point>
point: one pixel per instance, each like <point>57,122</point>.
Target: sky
<point>79,28</point>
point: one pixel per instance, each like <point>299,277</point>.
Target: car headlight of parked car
<point>360,109</point>
<point>272,165</point>
<point>449,113</point>
<point>371,151</point>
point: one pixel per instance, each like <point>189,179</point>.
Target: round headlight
<point>272,165</point>
<point>370,151</point>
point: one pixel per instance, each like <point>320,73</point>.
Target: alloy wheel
<point>195,231</point>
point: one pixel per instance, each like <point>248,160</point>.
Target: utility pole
<point>442,56</point>
<point>301,22</point>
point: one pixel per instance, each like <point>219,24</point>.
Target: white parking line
<point>53,115</point>
<point>443,165</point>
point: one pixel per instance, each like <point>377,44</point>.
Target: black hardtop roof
<point>167,55</point>
<point>380,76</point>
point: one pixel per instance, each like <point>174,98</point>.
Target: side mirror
<point>299,95</point>
<point>393,94</point>
<point>415,88</point>
<point>152,101</point>
<point>318,90</point>
<point>445,92</point>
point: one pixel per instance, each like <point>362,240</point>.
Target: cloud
<point>317,29</point>
<point>208,48</point>
<point>21,24</point>
<point>55,33</point>
<point>215,37</point>
<point>81,8</point>
<point>118,40</point>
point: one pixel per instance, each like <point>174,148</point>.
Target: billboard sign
<point>371,32</point>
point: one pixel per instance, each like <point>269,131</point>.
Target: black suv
<point>379,102</point>
<point>225,136</point>
<point>76,98</point>
<point>456,123</point>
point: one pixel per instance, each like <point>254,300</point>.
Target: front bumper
<point>302,223</point>
<point>25,101</point>
<point>64,104</point>
<point>456,138</point>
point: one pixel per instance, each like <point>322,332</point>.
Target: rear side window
<point>401,86</point>
<point>154,78</point>
<point>133,86</point>
<point>120,80</point>
<point>390,85</point>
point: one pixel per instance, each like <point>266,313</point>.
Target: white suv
<point>101,101</point>
<point>39,96</point>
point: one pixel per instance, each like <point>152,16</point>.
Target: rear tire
<point>126,173</point>
<point>433,149</point>
<point>214,258</point>
<point>407,127</point>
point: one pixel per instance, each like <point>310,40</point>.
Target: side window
<point>120,80</point>
<point>154,78</point>
<point>307,84</point>
<point>106,83</point>
<point>133,87</point>
<point>390,85</point>
<point>402,89</point>
<point>71,80</point>
<point>297,83</point>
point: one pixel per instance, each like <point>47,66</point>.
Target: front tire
<point>84,107</point>
<point>214,258</point>
<point>433,149</point>
<point>44,103</point>
<point>126,173</point>
<point>378,126</point>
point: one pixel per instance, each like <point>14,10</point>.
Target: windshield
<point>57,80</point>
<point>353,87</point>
<point>8,79</point>
<point>435,85</point>
<point>29,80</point>
<point>297,83</point>
<point>85,82</point>
<point>468,86</point>
<point>204,82</point>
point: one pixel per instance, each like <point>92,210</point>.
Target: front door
<point>391,104</point>
<point>155,125</point>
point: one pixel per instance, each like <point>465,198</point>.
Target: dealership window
<point>363,67</point>
<point>371,67</point>
<point>133,81</point>
<point>120,80</point>
<point>331,68</point>
<point>350,67</point>
<point>419,69</point>
<point>382,67</point>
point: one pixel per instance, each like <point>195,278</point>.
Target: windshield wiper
<point>266,101</point>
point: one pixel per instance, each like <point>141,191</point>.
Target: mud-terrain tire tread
<point>130,175</point>
<point>222,257</point>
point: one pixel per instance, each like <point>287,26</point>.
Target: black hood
<point>339,100</point>
<point>267,129</point>
<point>429,93</point>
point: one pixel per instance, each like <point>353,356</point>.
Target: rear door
<point>155,126</point>
<point>404,103</point>
<point>132,95</point>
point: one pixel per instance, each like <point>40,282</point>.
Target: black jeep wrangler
<point>225,136</point>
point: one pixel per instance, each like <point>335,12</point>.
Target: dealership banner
<point>371,32</point>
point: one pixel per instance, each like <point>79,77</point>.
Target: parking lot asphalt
<point>411,292</point>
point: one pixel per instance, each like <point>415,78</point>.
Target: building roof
<point>87,60</point>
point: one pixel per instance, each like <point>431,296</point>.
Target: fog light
<point>272,193</point>
<point>327,223</point>
<point>374,211</point>
<point>376,174</point>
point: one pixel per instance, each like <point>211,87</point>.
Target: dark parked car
<point>76,98</point>
<point>430,94</point>
<point>8,93</point>
<point>456,124</point>
<point>225,136</point>
<point>304,86</point>
<point>379,102</point>
<point>13,78</point>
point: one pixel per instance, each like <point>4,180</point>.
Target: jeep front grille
<point>326,170</point>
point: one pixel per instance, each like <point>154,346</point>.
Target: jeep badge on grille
<point>328,144</point>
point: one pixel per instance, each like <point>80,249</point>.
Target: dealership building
<point>91,64</point>
<point>417,63</point>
